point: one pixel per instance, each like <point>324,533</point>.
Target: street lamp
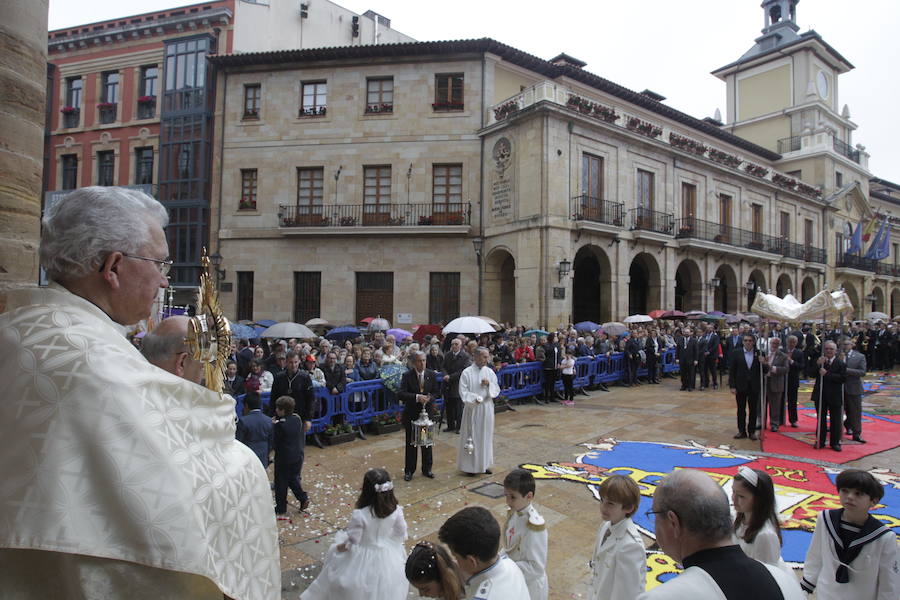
<point>478,243</point>
<point>714,283</point>
<point>216,260</point>
<point>564,267</point>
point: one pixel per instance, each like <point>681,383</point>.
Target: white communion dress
<point>372,567</point>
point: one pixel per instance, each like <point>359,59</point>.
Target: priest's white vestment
<point>477,419</point>
<point>117,478</point>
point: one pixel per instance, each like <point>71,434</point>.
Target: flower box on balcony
<point>251,113</point>
<point>643,127</point>
<point>426,221</point>
<point>447,219</point>
<point>379,108</point>
<point>106,105</point>
<point>685,231</point>
<point>447,106</point>
<point>506,109</point>
<point>347,221</point>
<point>315,111</point>
<point>247,204</point>
<point>69,110</point>
<point>396,221</point>
<point>146,99</point>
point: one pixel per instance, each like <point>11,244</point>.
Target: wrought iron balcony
<point>107,112</point>
<point>852,261</point>
<point>651,220</point>
<point>802,252</point>
<point>709,231</point>
<point>588,208</point>
<point>789,144</point>
<point>846,149</point>
<point>71,118</point>
<point>375,215</point>
<point>886,269</point>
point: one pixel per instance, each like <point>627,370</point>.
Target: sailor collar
<point>869,532</point>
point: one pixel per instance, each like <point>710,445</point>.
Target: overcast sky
<point>667,46</point>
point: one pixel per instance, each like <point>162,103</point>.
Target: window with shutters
<point>376,195</point>
<point>244,296</point>
<point>443,297</point>
<point>307,295</point>
<point>645,189</point>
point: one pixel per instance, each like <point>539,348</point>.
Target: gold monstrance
<point>209,333</point>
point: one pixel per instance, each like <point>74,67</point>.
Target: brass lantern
<point>423,431</point>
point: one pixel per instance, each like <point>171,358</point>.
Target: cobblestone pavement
<point>531,434</point>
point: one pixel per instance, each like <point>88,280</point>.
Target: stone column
<point>23,79</point>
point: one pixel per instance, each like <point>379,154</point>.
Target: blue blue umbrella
<point>239,331</point>
<point>586,327</point>
<point>265,322</point>
<point>341,334</point>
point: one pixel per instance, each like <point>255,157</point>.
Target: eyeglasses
<point>651,514</point>
<point>163,265</point>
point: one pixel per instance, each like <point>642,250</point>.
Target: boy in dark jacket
<point>290,439</point>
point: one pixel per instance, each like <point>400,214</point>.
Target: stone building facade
<point>428,180</point>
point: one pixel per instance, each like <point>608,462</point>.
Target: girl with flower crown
<point>367,559</point>
<point>432,571</point>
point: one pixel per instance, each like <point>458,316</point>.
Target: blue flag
<point>880,247</point>
<point>856,240</point>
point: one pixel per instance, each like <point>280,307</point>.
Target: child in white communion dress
<point>368,559</point>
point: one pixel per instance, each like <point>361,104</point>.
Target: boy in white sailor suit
<point>853,554</point>
<point>525,534</point>
<point>619,562</point>
<point>473,536</point>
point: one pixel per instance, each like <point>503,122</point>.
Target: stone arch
<point>808,289</point>
<point>725,296</point>
<point>591,285</point>
<point>688,286</point>
<point>878,304</point>
<point>783,286</point>
<point>499,280</point>
<point>644,284</point>
<point>853,295</point>
<point>758,279</point>
<point>895,302</point>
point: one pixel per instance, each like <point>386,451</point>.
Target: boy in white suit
<point>525,534</point>
<point>619,564</point>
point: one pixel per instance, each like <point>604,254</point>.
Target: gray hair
<point>699,502</point>
<point>157,348</point>
<point>419,353</point>
<point>89,223</point>
<point>482,349</point>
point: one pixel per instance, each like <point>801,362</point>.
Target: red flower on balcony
<point>379,108</point>
<point>247,203</point>
<point>146,99</point>
<point>106,105</point>
<point>69,110</point>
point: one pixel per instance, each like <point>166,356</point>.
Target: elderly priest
<point>118,479</point>
<point>477,388</point>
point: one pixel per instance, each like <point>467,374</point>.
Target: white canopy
<point>822,305</point>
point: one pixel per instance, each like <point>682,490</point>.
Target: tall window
<point>591,176</point>
<point>448,92</point>
<point>446,194</point>
<point>896,254</point>
<point>185,74</point>
<point>443,297</point>
<point>645,189</point>
<point>244,295</point>
<point>688,200</point>
<point>785,225</point>
<point>724,210</point>
<point>252,100</point>
<point>310,188</point>
<point>248,189</point>
<point>307,295</point>
<point>110,91</point>
<point>377,195</point>
<point>105,168</point>
<point>143,166</point>
<point>380,94</point>
<point>838,179</point>
<point>374,295</point>
<point>314,99</point>
<point>149,81</point>
<point>808,237</point>
<point>69,171</point>
<point>73,92</point>
<point>756,219</point>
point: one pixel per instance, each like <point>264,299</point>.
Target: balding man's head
<point>165,347</point>
<point>691,514</point>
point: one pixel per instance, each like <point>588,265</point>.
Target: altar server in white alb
<point>118,479</point>
<point>853,554</point>
<point>525,533</point>
<point>477,388</point>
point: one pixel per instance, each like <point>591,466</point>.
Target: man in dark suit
<point>853,390</point>
<point>633,346</point>
<point>884,341</point>
<point>552,358</point>
<point>710,355</point>
<point>234,383</point>
<point>418,388</point>
<point>652,350</point>
<point>745,381</point>
<point>686,356</point>
<point>796,366</point>
<point>244,356</point>
<point>296,383</point>
<point>455,362</point>
<point>254,429</point>
<point>731,343</point>
<point>828,394</point>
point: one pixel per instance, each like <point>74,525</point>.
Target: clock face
<point>822,84</point>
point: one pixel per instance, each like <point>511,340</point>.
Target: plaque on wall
<point>225,286</point>
<point>559,293</point>
<point>502,182</point>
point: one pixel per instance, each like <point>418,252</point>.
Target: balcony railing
<point>852,261</point>
<point>651,220</point>
<point>146,108</point>
<point>107,113</point>
<point>375,215</point>
<point>692,227</point>
<point>71,118</point>
<point>789,144</point>
<point>588,208</point>
<point>846,149</point>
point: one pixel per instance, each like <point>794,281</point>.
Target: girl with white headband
<point>756,524</point>
<point>367,560</point>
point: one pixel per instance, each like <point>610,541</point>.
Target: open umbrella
<point>732,319</point>
<point>638,319</point>
<point>694,314</point>
<point>367,320</point>
<point>399,334</point>
<point>716,313</point>
<point>242,332</point>
<point>537,332</point>
<point>265,322</point>
<point>672,314</point>
<point>491,321</point>
<point>318,322</point>
<point>656,314</point>
<point>423,330</point>
<point>614,328</point>
<point>874,316</point>
<point>288,329</point>
<point>586,327</point>
<point>379,324</point>
<point>343,333</point>
<point>468,325</point>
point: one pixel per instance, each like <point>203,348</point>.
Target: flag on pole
<point>869,230</point>
<point>880,247</point>
<point>856,240</point>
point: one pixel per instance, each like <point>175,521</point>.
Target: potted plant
<point>388,422</point>
<point>106,105</point>
<point>338,434</point>
<point>348,221</point>
<point>69,110</point>
<point>247,204</point>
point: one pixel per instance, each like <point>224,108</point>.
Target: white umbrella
<point>468,325</point>
<point>318,322</point>
<point>379,324</point>
<point>638,319</point>
<point>874,316</point>
<point>492,322</point>
<point>288,329</point>
<point>614,328</point>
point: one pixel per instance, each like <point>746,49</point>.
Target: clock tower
<point>783,95</point>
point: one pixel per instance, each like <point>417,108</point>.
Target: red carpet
<point>882,432</point>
